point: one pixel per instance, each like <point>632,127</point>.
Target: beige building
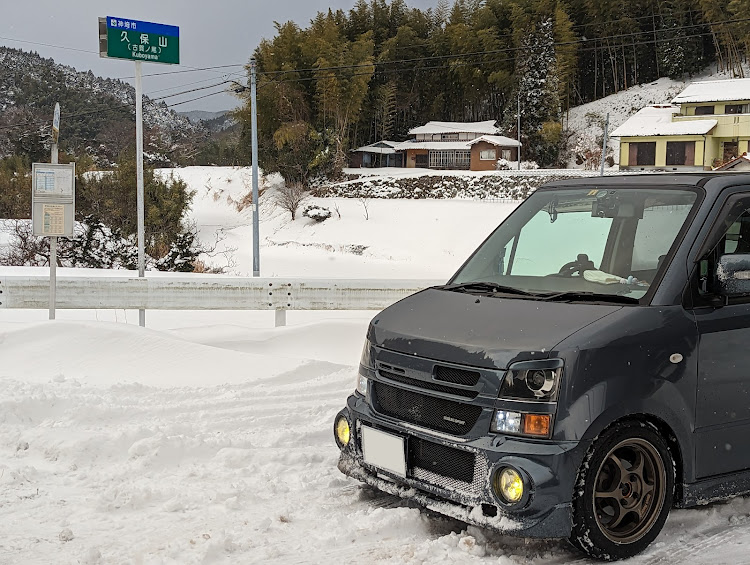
<point>705,126</point>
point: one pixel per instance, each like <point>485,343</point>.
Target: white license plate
<point>384,451</point>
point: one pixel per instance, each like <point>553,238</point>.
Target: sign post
<point>134,40</point>
<point>254,149</point>
<point>53,210</point>
<point>53,239</point>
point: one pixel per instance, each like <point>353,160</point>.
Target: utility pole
<point>604,144</point>
<point>53,239</point>
<point>518,127</point>
<point>139,180</point>
<point>254,123</point>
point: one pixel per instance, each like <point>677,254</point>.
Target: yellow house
<point>706,125</point>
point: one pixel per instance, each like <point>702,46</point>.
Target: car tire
<point>623,492</point>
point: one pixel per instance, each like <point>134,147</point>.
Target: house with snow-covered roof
<point>378,154</point>
<point>706,125</point>
<point>475,146</point>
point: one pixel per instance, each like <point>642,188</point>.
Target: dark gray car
<point>585,370</point>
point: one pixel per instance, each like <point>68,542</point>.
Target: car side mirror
<point>733,274</point>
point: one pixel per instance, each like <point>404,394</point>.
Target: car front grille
<point>456,376</point>
<point>447,467</point>
<point>429,385</point>
<point>441,459</point>
<point>424,410</point>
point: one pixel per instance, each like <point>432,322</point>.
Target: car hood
<point>479,331</point>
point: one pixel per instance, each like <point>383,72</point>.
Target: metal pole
<point>519,130</point>
<point>254,122</point>
<point>53,255</point>
<point>604,144</point>
<point>139,181</point>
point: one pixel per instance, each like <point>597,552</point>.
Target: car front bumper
<point>549,470</point>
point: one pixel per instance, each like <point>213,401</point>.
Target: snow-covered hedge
<point>439,186</point>
<point>93,245</point>
<point>317,213</point>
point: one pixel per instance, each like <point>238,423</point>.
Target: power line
<point>385,71</point>
<point>474,63</point>
<point>191,90</point>
<point>190,70</point>
<point>494,51</point>
<point>194,99</point>
<point>49,45</point>
<point>215,68</point>
<point>582,25</point>
<point>150,92</point>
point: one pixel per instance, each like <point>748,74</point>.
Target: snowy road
<point>124,465</point>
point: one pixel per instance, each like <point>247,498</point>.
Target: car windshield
<point>579,244</point>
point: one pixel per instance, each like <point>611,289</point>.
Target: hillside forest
<point>372,73</point>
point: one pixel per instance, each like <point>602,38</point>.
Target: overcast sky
<point>212,33</point>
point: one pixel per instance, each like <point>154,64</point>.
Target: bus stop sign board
<point>143,41</point>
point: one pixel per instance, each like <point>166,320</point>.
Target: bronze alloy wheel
<point>629,490</point>
<point>623,491</point>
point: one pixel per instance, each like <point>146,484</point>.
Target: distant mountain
<point>214,122</point>
<point>196,116</point>
<point>97,114</point>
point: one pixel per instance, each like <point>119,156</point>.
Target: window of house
<point>506,154</point>
<point>736,109</point>
<point>449,137</point>
<point>704,110</point>
<point>680,152</point>
<point>642,153</point>
<point>488,155</point>
<point>450,159</point>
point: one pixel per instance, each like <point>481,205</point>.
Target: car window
<point>737,237</point>
<point>651,242</point>
<point>541,250</point>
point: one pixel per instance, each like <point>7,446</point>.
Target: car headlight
<point>521,423</point>
<point>361,386</point>
<point>533,380</point>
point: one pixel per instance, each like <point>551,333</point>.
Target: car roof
<point>711,181</point>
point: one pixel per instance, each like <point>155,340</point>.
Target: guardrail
<point>208,293</point>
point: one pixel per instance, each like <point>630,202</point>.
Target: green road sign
<point>142,41</point>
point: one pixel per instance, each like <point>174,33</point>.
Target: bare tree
<point>365,204</point>
<point>290,196</point>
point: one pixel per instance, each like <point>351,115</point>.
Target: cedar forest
<point>353,78</point>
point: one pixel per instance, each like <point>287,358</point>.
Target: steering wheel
<point>582,263</point>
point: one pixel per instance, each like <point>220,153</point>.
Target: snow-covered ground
<point>207,437</point>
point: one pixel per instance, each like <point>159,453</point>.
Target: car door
<point>722,420</point>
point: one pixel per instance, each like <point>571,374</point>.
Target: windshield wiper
<point>584,296</point>
<point>485,286</point>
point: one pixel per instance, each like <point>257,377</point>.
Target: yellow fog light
<point>343,433</point>
<point>509,485</point>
